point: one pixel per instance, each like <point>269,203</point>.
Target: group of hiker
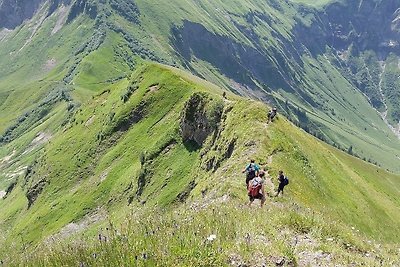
<point>255,182</point>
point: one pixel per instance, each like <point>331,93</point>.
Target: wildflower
<point>211,238</point>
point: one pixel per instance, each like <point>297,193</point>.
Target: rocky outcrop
<point>82,6</point>
<point>33,192</point>
<point>370,25</point>
<point>200,118</point>
<point>13,13</point>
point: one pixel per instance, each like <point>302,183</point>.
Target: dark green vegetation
<point>91,130</point>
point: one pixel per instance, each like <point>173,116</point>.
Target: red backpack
<point>254,187</point>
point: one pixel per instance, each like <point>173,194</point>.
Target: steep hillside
<point>307,61</point>
<point>161,137</point>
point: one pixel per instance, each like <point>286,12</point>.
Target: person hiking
<point>251,171</point>
<point>283,181</point>
<point>271,114</point>
<point>256,189</point>
<point>268,184</point>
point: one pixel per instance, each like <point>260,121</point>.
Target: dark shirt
<point>281,178</point>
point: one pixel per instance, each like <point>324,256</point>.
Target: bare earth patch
<point>62,18</point>
<point>90,121</point>
<point>49,65</point>
<point>77,227</point>
<point>7,158</point>
<point>154,88</point>
<point>104,174</point>
<point>4,33</point>
<point>19,171</point>
<point>35,25</point>
<point>40,139</point>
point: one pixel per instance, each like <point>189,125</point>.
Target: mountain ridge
<point>111,168</point>
<point>265,68</point>
<point>93,127</point>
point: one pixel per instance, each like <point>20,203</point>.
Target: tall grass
<point>219,234</point>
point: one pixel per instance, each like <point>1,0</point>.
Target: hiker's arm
<point>245,169</point>
<point>262,189</point>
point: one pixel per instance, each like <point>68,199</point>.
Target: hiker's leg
<point>279,190</point>
<point>250,201</point>
<point>262,202</point>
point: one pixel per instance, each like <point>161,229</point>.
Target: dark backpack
<point>254,188</point>
<point>286,180</point>
<point>251,171</point>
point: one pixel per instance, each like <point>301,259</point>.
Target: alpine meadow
<point>127,128</point>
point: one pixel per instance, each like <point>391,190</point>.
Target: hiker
<point>256,189</point>
<point>283,181</point>
<point>268,184</point>
<point>251,171</point>
<point>271,114</point>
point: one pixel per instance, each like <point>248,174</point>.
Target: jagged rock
<point>35,191</point>
<point>10,188</point>
<point>200,118</point>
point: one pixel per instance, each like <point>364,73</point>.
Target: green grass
<point>116,147</point>
<point>272,29</point>
<point>90,167</point>
<point>182,238</point>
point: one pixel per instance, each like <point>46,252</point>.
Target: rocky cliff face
<point>371,25</point>
<point>14,13</point>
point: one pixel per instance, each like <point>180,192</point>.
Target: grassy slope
<point>87,175</point>
<point>24,77</point>
<point>318,77</point>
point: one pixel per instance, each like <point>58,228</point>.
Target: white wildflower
<point>211,237</point>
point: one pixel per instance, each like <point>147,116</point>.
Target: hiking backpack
<point>254,187</point>
<point>251,171</point>
<point>286,180</point>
